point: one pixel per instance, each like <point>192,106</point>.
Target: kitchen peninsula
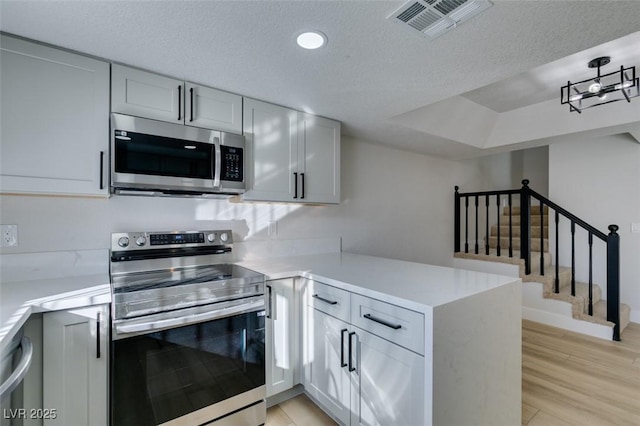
<point>422,343</point>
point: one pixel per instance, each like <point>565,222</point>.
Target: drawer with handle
<point>398,325</point>
<point>328,299</point>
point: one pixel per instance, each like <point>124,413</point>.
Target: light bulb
<point>595,87</point>
<point>575,97</point>
<point>602,96</point>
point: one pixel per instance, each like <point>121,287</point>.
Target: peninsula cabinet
<point>76,365</point>
<point>294,156</point>
<point>148,95</point>
<point>357,376</point>
<point>54,137</point>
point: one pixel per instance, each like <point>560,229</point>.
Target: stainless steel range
<point>187,331</point>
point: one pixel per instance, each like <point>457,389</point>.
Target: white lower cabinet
<point>327,369</point>
<point>358,377</point>
<point>76,365</point>
<point>388,383</point>
<point>281,335</point>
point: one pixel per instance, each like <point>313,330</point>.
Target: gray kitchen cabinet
<point>281,336</point>
<point>145,94</point>
<point>54,108</point>
<point>294,157</point>
<point>76,366</point>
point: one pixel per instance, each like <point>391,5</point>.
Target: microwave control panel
<point>232,164</point>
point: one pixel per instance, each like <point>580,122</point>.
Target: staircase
<point>519,236</point>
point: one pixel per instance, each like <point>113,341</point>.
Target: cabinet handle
<point>101,169</point>
<point>98,335</point>
<point>302,177</point>
<point>383,322</point>
<point>179,102</point>
<point>342,363</point>
<point>331,302</point>
<point>269,302</point>
<point>295,185</point>
<point>351,367</point>
<point>191,94</point>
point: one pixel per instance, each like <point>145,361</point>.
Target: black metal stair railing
<point>526,197</point>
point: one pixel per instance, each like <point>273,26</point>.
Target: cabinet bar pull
<point>342,363</point>
<point>98,335</point>
<point>179,102</point>
<point>351,367</point>
<point>269,302</point>
<point>302,177</point>
<point>191,93</point>
<point>331,302</point>
<point>383,322</point>
<point>295,185</point>
<point>101,169</point>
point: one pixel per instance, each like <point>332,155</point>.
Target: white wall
<point>394,203</point>
<point>599,181</point>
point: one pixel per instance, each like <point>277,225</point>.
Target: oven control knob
<point>211,237</point>
<point>141,240</point>
<point>123,241</point>
<point>224,237</point>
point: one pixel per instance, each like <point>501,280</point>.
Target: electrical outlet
<point>635,228</point>
<point>9,235</point>
<point>272,229</point>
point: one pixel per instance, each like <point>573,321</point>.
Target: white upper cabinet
<point>144,94</point>
<point>319,158</point>
<point>295,156</point>
<point>272,148</point>
<point>213,109</point>
<point>147,95</point>
<point>55,121</point>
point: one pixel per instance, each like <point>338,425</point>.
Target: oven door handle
<point>252,304</point>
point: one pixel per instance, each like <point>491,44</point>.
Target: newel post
<point>613,280</point>
<point>456,224</point>
<point>525,226</point>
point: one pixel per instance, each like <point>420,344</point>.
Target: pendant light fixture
<point>602,89</point>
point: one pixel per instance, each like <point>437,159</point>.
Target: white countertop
<point>413,285</point>
<point>20,299</point>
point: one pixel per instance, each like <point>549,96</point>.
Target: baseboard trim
<point>567,323</point>
<point>285,395</point>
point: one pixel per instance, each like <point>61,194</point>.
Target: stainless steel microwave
<point>150,157</point>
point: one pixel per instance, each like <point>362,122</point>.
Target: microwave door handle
<point>217,166</point>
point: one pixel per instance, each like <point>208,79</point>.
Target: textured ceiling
<point>371,70</point>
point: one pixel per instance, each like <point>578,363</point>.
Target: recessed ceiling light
<point>311,40</point>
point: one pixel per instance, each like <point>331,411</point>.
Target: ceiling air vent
<point>432,18</point>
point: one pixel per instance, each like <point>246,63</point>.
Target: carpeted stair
<point>579,302</point>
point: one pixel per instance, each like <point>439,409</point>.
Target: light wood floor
<point>568,379</point>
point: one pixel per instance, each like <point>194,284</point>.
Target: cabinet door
<point>75,365</point>
<point>146,95</point>
<point>326,370</point>
<point>213,109</point>
<point>280,336</point>
<point>319,158</point>
<point>54,107</point>
<point>272,148</point>
<point>388,384</point>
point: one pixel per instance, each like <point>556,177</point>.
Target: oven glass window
<point>138,153</point>
<point>164,375</point>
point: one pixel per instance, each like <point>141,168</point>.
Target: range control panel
<point>126,241</point>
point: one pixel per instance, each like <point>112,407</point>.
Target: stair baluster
<point>573,258</point>
<point>590,273</point>
<point>498,218</point>
<point>510,229</point>
<point>486,216</point>
<point>542,238</point>
<point>557,282</point>
<point>477,247</point>
<point>466,224</point>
